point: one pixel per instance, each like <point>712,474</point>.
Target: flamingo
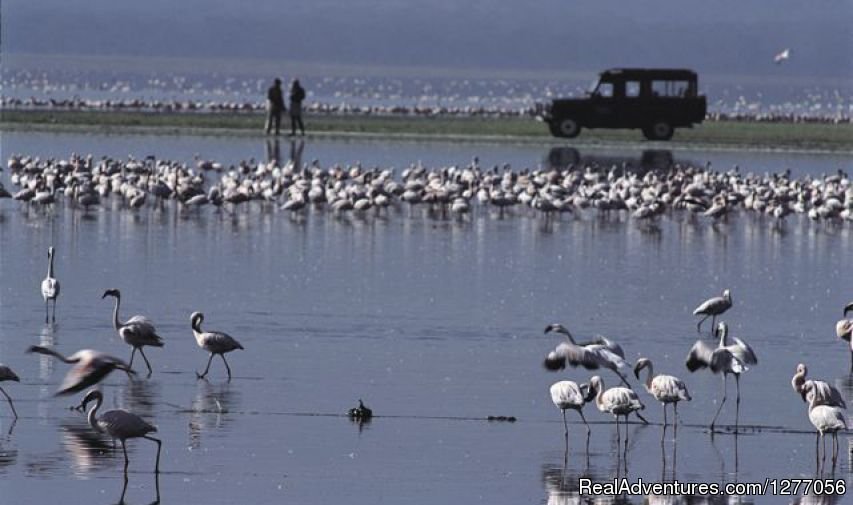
<point>90,367</point>
<point>213,342</point>
<point>844,330</point>
<point>138,331</point>
<point>600,353</point>
<point>617,401</point>
<point>713,307</point>
<point>826,419</point>
<point>816,392</point>
<point>725,359</point>
<point>6,374</point>
<point>50,286</point>
<point>665,388</point>
<point>119,424</point>
<point>569,395</point>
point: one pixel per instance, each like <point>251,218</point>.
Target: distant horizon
<point>258,66</point>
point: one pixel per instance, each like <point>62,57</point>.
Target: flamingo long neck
<point>649,376</point>
<point>570,337</point>
<point>93,419</point>
<point>116,323</point>
<point>197,333</point>
<point>599,395</point>
<point>798,381</point>
<point>50,265</point>
<point>723,331</point>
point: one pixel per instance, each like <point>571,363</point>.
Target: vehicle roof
<point>647,73</point>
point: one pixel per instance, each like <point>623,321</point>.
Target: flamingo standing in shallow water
<point>138,331</point>
<point>725,359</point>
<point>665,388</point>
<point>90,367</point>
<point>569,395</point>
<point>826,419</point>
<point>119,424</point>
<point>214,342</point>
<point>712,308</point>
<point>617,401</point>
<point>50,286</point>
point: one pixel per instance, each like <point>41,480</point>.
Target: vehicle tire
<point>569,128</point>
<point>659,130</point>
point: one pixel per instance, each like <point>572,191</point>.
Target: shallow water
<point>436,324</point>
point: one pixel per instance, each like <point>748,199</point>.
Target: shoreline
<point>711,135</point>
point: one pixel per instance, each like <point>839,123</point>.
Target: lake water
<point>436,324</point>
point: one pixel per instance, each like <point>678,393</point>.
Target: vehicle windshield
<point>601,88</point>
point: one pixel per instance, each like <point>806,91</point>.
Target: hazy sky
<point>713,36</point>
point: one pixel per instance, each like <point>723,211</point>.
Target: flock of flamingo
<point>90,367</point>
<point>727,356</point>
<point>695,190</point>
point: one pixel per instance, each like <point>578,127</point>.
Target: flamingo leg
<point>588,431</point>
<point>146,361</point>
<point>10,402</point>
<point>126,461</point>
<point>664,415</point>
<point>834,448</point>
<point>159,446</point>
<point>714,323</point>
<point>565,423</point>
<point>737,402</point>
<point>823,440</point>
<point>132,355</point>
<point>226,365</point>
<point>53,315</point>
<point>203,375</point>
<point>817,450</point>
<point>45,311</point>
<point>721,404</point>
<point>699,326</point>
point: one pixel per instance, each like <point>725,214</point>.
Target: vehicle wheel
<point>659,130</point>
<point>569,128</point>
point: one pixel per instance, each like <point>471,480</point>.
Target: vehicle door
<point>605,101</point>
<point>634,104</point>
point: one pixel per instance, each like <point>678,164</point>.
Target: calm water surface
<point>436,324</point>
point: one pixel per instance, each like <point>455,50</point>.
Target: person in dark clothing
<point>275,106</point>
<point>297,94</point>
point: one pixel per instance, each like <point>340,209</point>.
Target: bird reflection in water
<point>156,490</point>
<point>87,447</point>
<point>140,397</point>
<point>210,408</point>
<point>563,486</point>
<point>47,338</point>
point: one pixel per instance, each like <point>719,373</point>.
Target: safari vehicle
<point>654,100</point>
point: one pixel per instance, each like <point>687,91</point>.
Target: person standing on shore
<point>275,106</point>
<point>297,95</point>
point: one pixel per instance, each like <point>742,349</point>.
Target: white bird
<point>138,331</point>
<point>617,401</point>
<point>844,331</point>
<point>665,388</point>
<point>816,392</point>
<point>90,367</point>
<point>725,359</point>
<point>6,374</point>
<point>827,419</point>
<point>50,286</point>
<point>783,56</point>
<point>213,342</point>
<point>713,307</point>
<point>119,424</point>
<point>568,395</point>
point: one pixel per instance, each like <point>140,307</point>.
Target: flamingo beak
<point>848,308</point>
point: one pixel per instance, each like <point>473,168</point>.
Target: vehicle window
<point>605,89</point>
<point>670,88</point>
<point>632,89</point>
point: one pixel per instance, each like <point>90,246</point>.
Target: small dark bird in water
<point>361,412</point>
